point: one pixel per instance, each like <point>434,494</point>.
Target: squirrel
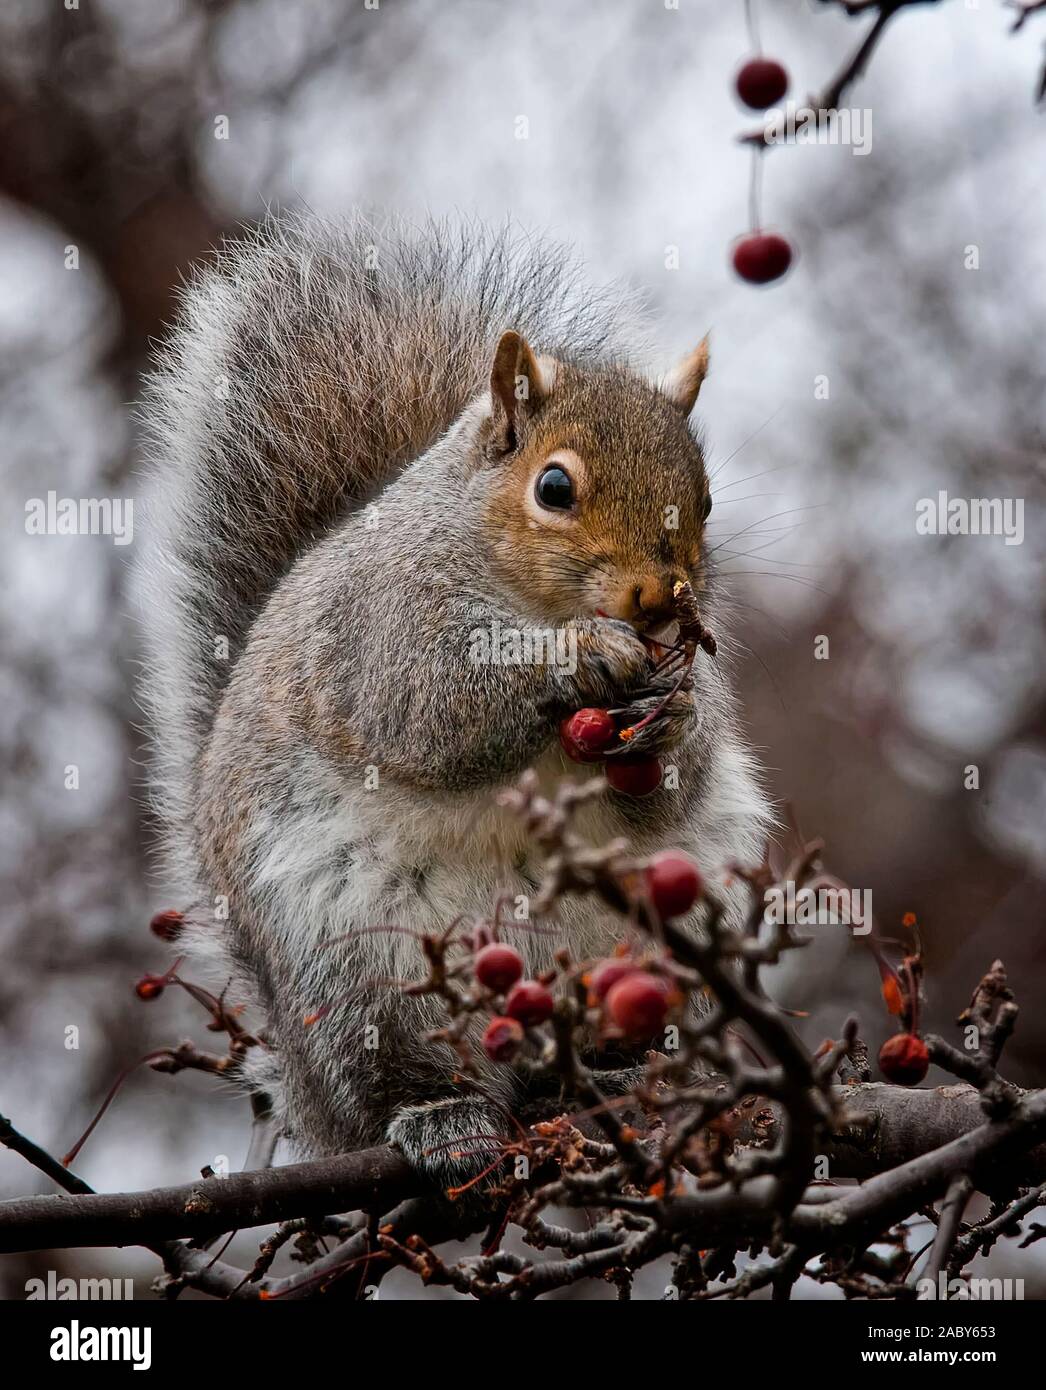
<point>367,442</point>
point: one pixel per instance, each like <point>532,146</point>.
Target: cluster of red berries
<point>589,734</point>
<point>527,1002</point>
<point>761,257</point>
<point>167,926</point>
<point>633,1000</point>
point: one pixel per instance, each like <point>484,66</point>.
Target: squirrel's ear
<point>683,382</point>
<point>517,387</point>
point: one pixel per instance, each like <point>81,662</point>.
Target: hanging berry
<point>759,257</point>
<point>761,82</point>
<point>762,257</point>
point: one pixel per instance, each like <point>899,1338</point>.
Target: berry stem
<point>755,187</point>
<point>752,25</point>
<point>913,997</point>
<point>110,1096</point>
<point>630,733</point>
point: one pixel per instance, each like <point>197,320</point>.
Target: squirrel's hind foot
<point>455,1145</point>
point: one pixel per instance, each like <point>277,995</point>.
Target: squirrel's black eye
<point>555,489</point>
<point>707,507</point>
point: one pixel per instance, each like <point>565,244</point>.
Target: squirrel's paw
<point>451,1143</point>
<point>611,660</point>
<point>667,730</point>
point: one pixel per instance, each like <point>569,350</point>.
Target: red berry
<point>587,734</point>
<point>761,257</point>
<point>167,925</point>
<point>498,967</point>
<point>761,82</point>
<point>570,748</point>
<point>673,883</point>
<point>530,1003</point>
<point>502,1039</point>
<point>149,987</point>
<point>904,1059</point>
<point>638,1004</point>
<point>605,976</point>
<point>634,776</point>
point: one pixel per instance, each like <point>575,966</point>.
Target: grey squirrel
<point>369,441</point>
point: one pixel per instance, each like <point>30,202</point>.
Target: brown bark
<point>902,1125</point>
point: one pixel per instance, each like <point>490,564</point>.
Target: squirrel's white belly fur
<point>393,858</point>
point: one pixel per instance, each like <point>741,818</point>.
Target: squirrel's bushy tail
<point>310,363</point>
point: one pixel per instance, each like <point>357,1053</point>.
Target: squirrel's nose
<point>646,600</point>
<point>654,596</point>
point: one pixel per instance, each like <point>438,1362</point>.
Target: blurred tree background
<point>902,356</point>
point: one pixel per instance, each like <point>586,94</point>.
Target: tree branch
<point>377,1178</point>
<point>886,1129</point>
